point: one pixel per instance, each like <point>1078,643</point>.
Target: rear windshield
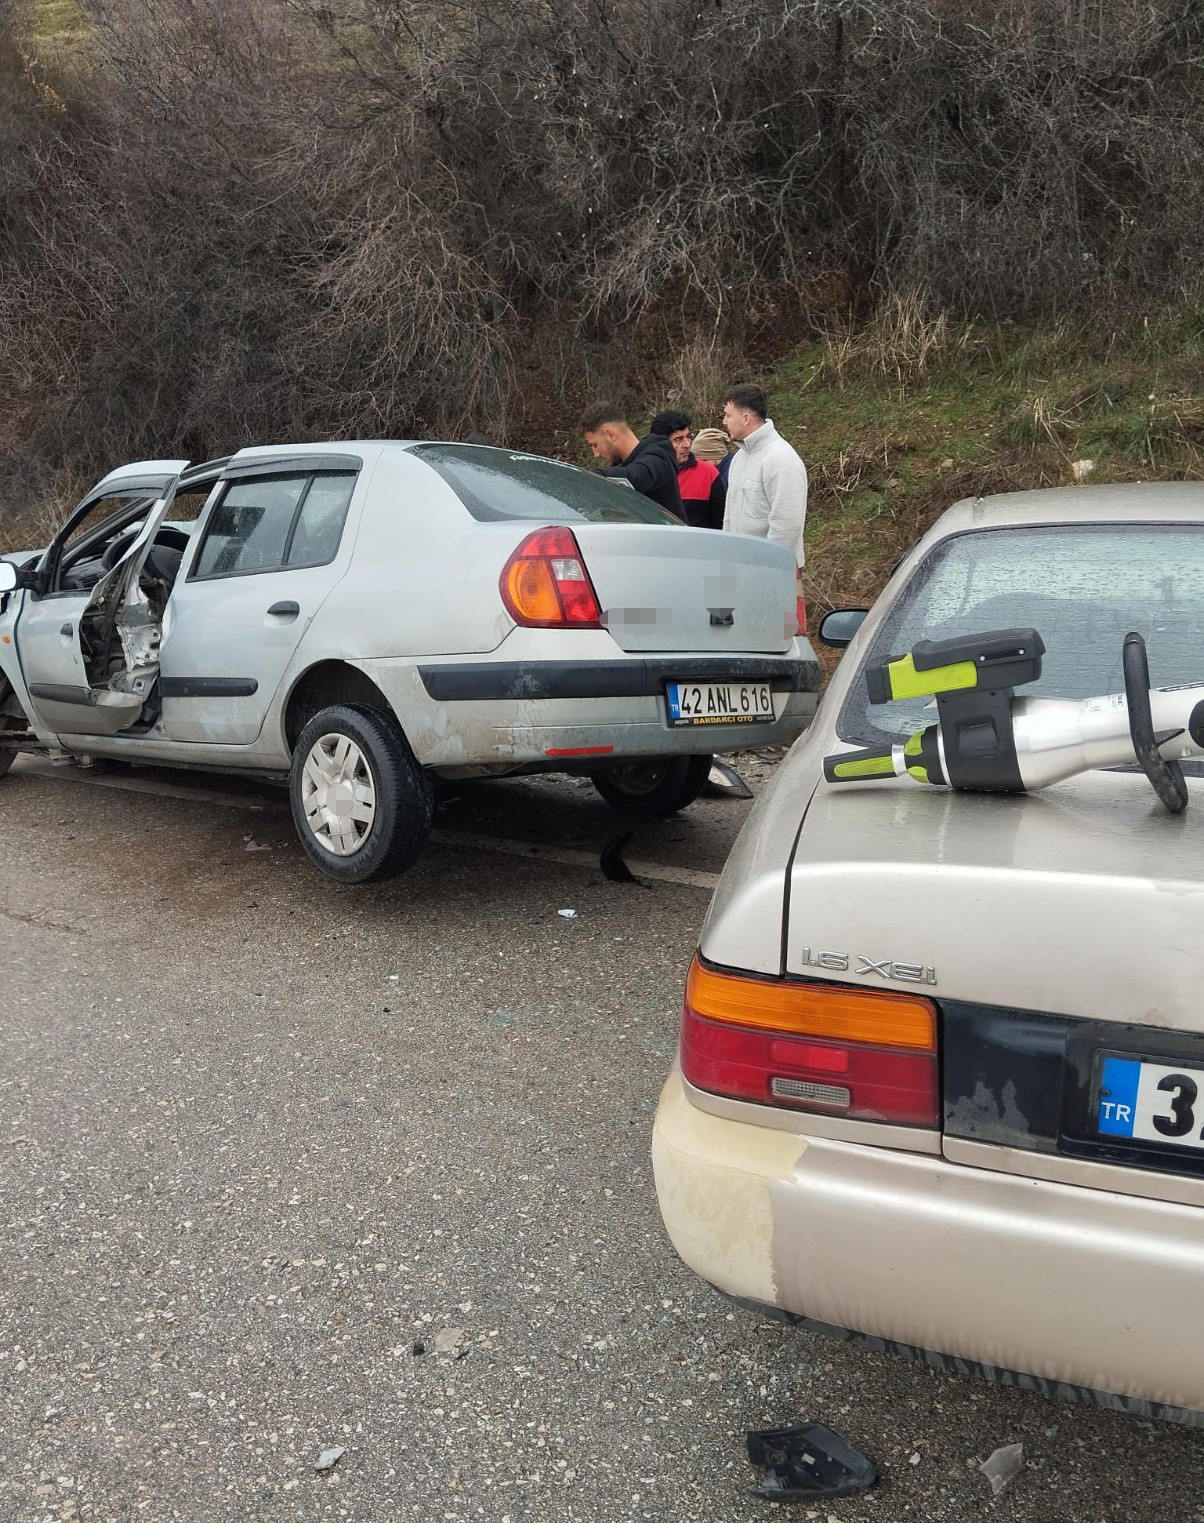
<point>499,484</point>
<point>1082,587</point>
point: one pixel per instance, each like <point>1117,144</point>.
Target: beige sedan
<point>941,1078</point>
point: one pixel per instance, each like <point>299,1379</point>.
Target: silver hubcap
<point>338,794</point>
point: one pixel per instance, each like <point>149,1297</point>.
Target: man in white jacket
<point>767,481</point>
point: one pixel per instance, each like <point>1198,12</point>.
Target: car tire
<point>12,718</point>
<point>362,805</point>
<point>654,787</point>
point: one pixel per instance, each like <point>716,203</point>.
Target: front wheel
<point>361,804</point>
<point>12,722</point>
<point>653,788</point>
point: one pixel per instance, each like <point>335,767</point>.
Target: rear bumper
<point>508,714</point>
<point>1077,1287</point>
<point>639,677</point>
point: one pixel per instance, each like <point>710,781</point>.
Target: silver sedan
<point>363,618</point>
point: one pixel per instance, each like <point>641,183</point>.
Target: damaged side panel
<point>91,661</point>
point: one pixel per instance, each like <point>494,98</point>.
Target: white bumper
<point>1087,1287</point>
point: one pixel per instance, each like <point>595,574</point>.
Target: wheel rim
<point>637,779</point>
<point>338,794</point>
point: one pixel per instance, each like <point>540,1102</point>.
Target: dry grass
<point>902,342</point>
<point>699,376</point>
<point>40,518</point>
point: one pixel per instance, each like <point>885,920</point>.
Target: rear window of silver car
<point>1082,587</point>
<point>498,484</point>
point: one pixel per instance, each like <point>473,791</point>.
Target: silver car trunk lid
<point>671,589</point>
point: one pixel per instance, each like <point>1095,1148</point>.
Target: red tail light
<point>800,613</point>
<point>545,585</point>
<point>861,1053</point>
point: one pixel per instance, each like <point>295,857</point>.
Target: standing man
<point>649,464</point>
<point>767,483</point>
<point>703,491</point>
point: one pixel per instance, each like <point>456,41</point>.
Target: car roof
<point>320,447</point>
<point>1123,502</point>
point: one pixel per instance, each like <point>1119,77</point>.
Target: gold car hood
<point>1086,899</point>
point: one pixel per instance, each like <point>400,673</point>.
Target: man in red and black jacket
<point>703,491</point>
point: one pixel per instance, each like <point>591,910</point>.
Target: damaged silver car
<point>361,619</point>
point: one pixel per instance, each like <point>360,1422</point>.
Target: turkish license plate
<point>1151,1102</point>
<point>707,703</point>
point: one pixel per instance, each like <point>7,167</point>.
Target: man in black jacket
<point>650,464</point>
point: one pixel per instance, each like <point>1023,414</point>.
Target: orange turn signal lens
<point>532,590</point>
<point>876,1017</point>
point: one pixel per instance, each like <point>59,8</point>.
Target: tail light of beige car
<point>862,1053</point>
<point>545,585</point>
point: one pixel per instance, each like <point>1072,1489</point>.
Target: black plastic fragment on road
<point>612,864</point>
<point>806,1463</point>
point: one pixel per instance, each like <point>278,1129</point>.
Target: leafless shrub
<point>283,218</point>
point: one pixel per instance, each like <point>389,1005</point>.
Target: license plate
<point>1151,1102</point>
<point>708,703</point>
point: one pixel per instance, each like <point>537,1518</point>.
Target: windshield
<point>1081,587</point>
<point>500,484</point>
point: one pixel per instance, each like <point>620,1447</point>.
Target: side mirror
<point>838,627</point>
<point>9,578</point>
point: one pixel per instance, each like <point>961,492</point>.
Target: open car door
<point>91,658</point>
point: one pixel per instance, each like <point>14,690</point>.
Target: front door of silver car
<point>88,635</point>
<point>266,557</point>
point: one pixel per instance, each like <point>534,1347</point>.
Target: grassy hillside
<point>903,418</point>
<point>55,26</point>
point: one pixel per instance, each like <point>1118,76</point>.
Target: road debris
<point>612,863</point>
<point>451,1340</point>
<point>329,1458</point>
<point>726,781</point>
<point>804,1463</point>
<point>567,914</point>
<point>1002,1467</point>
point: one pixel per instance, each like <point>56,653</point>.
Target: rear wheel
<point>361,804</point>
<point>653,787</point>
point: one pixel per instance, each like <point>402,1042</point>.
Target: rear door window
<point>502,484</point>
<point>319,525</point>
<point>269,522</point>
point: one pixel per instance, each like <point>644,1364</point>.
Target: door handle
<point>287,610</point>
<point>68,630</point>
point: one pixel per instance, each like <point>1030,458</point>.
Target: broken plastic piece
<point>611,860</point>
<point>567,914</point>
<point>727,781</point>
<point>329,1458</point>
<point>1002,1467</point>
<point>808,1462</point>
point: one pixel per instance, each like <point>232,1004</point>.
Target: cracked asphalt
<point>286,1167</point>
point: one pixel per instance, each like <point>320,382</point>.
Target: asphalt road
<point>285,1167</point>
